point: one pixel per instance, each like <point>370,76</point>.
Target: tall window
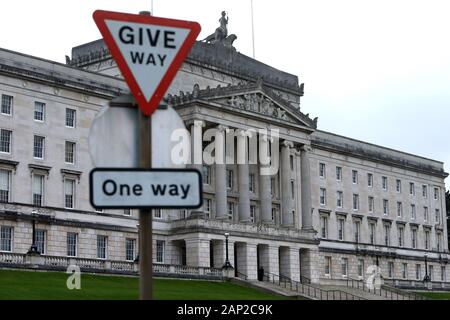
<point>438,216</point>
<point>398,187</point>
<point>357,230</point>
<point>384,183</point>
<point>160,247</point>
<point>291,162</point>
<point>344,266</point>
<point>387,235</point>
<point>436,193</point>
<point>439,241</point>
<point>327,266</point>
<point>354,176</point>
<point>425,191</point>
<point>372,233</point>
<point>273,186</point>
<point>340,199</point>
<point>5,141</point>
<point>72,244</point>
<point>5,186</point>
<point>252,213</point>
<point>229,179</point>
<point>39,145</point>
<point>69,193</point>
<point>425,214</point>
<point>418,272</point>
<point>385,207</point>
<point>323,196</point>
<point>322,170</point>
<point>6,238</point>
<point>414,238</point>
<point>360,268</point>
<point>401,232</point>
<point>39,111</point>
<point>38,190</point>
<point>7,104</point>
<point>69,154</point>
<point>292,189</point>
<point>370,180</point>
<point>413,212</point>
<point>404,271</point>
<point>427,240</point>
<point>355,202</point>
<point>206,175</point>
<point>399,209</point>
<point>371,204</point>
<point>324,227</point>
<point>431,272</point>
<point>339,173</point>
<point>412,188</point>
<point>130,249</point>
<point>341,229</point>
<point>208,207</point>
<point>443,276</point>
<point>230,207</point>
<point>390,269</point>
<point>41,237</point>
<point>252,182</point>
<point>70,118</point>
<point>102,244</point>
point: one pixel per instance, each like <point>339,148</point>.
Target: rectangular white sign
<point>138,189</point>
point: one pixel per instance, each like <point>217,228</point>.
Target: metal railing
<point>241,275</point>
<point>308,289</point>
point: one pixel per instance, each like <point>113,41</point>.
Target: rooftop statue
<point>221,34</point>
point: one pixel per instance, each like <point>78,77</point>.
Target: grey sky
<point>377,71</point>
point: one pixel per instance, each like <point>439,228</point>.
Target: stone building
<point>335,207</point>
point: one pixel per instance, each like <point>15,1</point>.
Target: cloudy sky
<point>377,71</point>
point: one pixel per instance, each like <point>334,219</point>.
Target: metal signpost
<point>148,51</point>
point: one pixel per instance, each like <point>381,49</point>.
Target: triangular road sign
<point>148,50</point>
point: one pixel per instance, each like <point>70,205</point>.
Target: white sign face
<point>138,189</point>
<point>148,50</point>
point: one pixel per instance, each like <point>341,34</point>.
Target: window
<point>425,214</point>
<point>323,196</point>
<point>401,232</point>
<point>70,118</point>
<point>427,240</point>
<point>339,173</point>
<point>355,202</point>
<point>274,213</point>
<point>398,187</point>
<point>5,186</point>
<point>443,277</point>
<point>355,177</point>
<point>439,241</point>
<point>341,229</point>
<point>418,272</point>
<point>102,242</point>
<point>292,189</point>
<point>157,214</point>
<point>322,170</point>
<point>357,230</point>
<point>252,182</point>
<point>6,238</point>
<point>436,193</point>
<point>230,207</point>
<point>130,249</point>
<point>160,248</point>
<point>438,216</point>
<point>431,273</point>
<point>38,190</point>
<point>340,199</point>
<point>414,238</point>
<point>384,183</point>
<point>324,227</point>
<point>344,267</point>
<point>390,269</point>
<point>371,204</point>
<point>208,207</point>
<point>69,155</point>
<point>7,104</point>
<point>327,266</point>
<point>387,235</point>
<point>413,212</point>
<point>273,187</point>
<point>412,188</point>
<point>361,268</point>
<point>291,162</point>
<point>252,213</point>
<point>372,233</point>
<point>385,207</point>
<point>207,175</point>
<point>39,111</point>
<point>425,191</point>
<point>127,212</point>
<point>399,209</point>
<point>72,244</point>
<point>404,271</point>
<point>5,141</point>
<point>39,145</point>
<point>370,180</point>
<point>229,179</point>
<point>69,193</point>
<point>41,236</point>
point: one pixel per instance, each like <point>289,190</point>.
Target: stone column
<point>265,196</point>
<point>286,197</point>
<point>306,189</point>
<point>197,252</point>
<point>221,172</point>
<point>197,154</point>
<point>243,177</point>
<point>247,264</point>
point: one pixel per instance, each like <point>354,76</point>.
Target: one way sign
<point>148,51</point>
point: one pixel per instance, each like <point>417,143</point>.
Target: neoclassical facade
<point>334,207</point>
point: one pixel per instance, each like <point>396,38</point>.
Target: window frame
<point>5,143</point>
<point>74,119</point>
<point>11,106</point>
<point>36,103</point>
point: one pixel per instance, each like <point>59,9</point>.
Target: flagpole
<point>253,29</point>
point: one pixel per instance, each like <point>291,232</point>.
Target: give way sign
<point>148,51</point>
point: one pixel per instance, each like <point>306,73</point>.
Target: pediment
<point>248,98</point>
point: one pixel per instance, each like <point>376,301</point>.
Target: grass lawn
<point>19,285</point>
<point>436,295</point>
